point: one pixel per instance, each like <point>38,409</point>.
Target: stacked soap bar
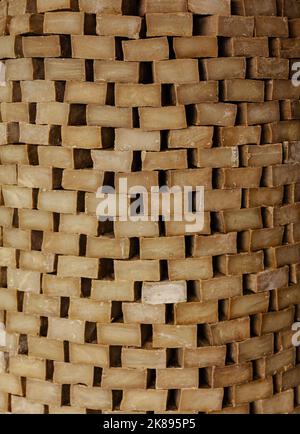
<point>147,316</point>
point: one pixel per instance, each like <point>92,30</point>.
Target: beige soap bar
<point>158,6</point>
<point>209,7</point>
<point>255,7</point>
<point>93,47</point>
<point>118,25</point>
<point>195,47</point>
<point>247,46</point>
<point>216,25</point>
<point>164,118</point>
<point>176,71</point>
<point>169,24</point>
<point>144,50</point>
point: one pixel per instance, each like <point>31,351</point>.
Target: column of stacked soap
<point>145,316</point>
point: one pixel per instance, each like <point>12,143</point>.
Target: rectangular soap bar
<point>255,7</point>
<point>169,24</point>
<point>227,26</point>
<point>246,47</point>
